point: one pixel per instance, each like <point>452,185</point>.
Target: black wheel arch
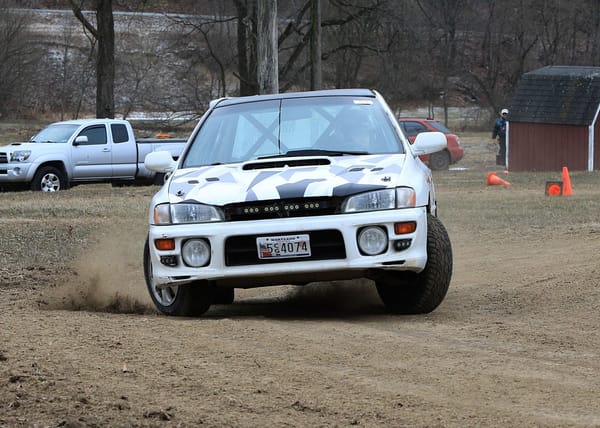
<point>59,166</point>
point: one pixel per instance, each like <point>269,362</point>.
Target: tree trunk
<point>105,61</point>
<point>104,35</point>
<point>315,45</point>
<point>246,43</point>
<point>267,64</point>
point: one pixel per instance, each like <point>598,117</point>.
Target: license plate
<point>281,247</point>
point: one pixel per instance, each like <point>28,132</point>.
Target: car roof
<point>88,121</point>
<point>358,92</point>
<point>421,119</point>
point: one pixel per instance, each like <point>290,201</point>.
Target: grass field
<point>51,229</point>
<point>515,342</point>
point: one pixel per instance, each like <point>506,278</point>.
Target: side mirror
<point>81,139</point>
<point>429,142</point>
<point>160,161</point>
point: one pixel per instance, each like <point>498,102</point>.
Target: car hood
<point>46,147</point>
<point>285,178</point>
<point>17,146</point>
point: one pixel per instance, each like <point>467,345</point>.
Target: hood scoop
<point>282,163</point>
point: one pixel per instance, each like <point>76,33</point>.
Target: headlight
<point>370,201</point>
<point>405,197</point>
<point>387,199</point>
<point>186,213</point>
<point>20,155</point>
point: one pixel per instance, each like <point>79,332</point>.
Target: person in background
<point>499,132</point>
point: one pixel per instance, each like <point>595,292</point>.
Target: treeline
<point>173,56</point>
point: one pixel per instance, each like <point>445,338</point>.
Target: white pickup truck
<point>82,151</point>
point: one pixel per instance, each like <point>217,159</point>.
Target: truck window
<point>96,134</point>
<point>119,133</point>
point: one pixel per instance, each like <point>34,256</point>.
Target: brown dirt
<point>515,343</point>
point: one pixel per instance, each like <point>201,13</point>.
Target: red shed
<point>553,120</point>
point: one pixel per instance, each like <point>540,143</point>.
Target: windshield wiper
<point>314,152</point>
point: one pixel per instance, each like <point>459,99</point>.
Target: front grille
<point>324,244</point>
<point>260,210</point>
<point>3,157</point>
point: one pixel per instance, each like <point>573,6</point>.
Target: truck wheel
<point>420,293</point>
<point>48,179</point>
<point>186,300</point>
<point>439,160</point>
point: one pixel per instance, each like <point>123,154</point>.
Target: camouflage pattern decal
<point>225,184</point>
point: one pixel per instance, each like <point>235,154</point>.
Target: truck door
<point>124,152</point>
<point>92,160</point>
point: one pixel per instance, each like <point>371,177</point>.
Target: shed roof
<point>557,94</point>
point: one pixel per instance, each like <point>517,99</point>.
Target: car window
<point>412,129</point>
<point>96,134</point>
<point>237,133</point>
<point>439,127</point>
<point>119,133</point>
<point>56,133</point>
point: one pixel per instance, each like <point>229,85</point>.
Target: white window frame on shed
<point>591,139</point>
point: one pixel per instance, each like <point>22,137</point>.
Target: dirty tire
<point>420,293</point>
<point>159,179</point>
<point>439,160</point>
<point>224,296</point>
<point>48,179</point>
<point>185,300</point>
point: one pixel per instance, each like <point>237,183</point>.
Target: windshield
<point>57,133</point>
<point>335,125</point>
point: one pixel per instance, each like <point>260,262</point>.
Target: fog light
<point>195,252</point>
<point>402,244</point>
<point>170,261</point>
<point>372,240</point>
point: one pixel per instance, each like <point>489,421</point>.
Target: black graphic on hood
<point>295,190</point>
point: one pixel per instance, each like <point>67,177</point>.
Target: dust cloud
<point>107,277</point>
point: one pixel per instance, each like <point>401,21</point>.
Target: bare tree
<point>267,52</point>
<point>316,77</point>
<point>103,35</point>
<point>18,59</point>
<point>246,46</point>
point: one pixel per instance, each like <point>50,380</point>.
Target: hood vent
<point>282,163</point>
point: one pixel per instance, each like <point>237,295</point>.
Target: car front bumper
<point>337,256</point>
<point>14,172</point>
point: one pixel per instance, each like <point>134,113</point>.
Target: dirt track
<point>515,343</point>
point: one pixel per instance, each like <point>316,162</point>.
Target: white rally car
<point>296,188</point>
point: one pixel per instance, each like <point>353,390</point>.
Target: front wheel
<point>420,293</point>
<point>224,296</point>
<point>186,300</point>
<point>48,179</point>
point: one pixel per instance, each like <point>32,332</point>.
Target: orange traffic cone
<point>494,180</point>
<point>566,189</point>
